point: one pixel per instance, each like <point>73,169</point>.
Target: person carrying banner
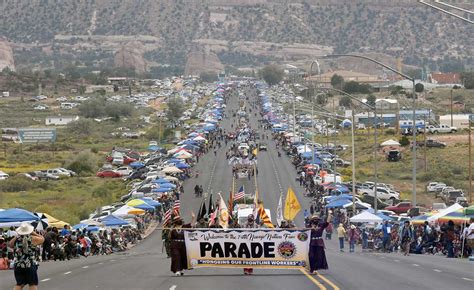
<point>179,261</point>
<point>250,224</point>
<point>317,253</point>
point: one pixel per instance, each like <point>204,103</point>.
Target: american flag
<point>167,217</point>
<point>240,194</point>
<point>177,205</point>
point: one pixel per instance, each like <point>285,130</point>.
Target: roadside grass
<point>69,199</point>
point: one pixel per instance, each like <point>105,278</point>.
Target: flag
<point>231,201</point>
<point>255,151</point>
<point>255,199</point>
<point>177,205</point>
<point>279,216</point>
<point>292,205</point>
<point>211,205</point>
<point>167,218</point>
<point>263,217</point>
<point>240,194</point>
<point>223,213</point>
<point>202,210</point>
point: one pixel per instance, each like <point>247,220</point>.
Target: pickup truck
<point>382,193</point>
<point>442,129</point>
<point>401,207</point>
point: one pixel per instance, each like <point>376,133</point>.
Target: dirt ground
<point>450,138</point>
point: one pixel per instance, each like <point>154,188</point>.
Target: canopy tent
<point>136,211</point>
<point>154,148</point>
<point>81,226</point>
<point>160,180</point>
<point>125,210</point>
<point>445,211</point>
<point>54,222</point>
<point>161,189</point>
<point>418,220</point>
<point>199,138</point>
<point>137,164</point>
<point>167,185</point>
<point>390,143</point>
<point>338,197</point>
<point>458,217</point>
<point>151,201</point>
<point>113,221</point>
<point>338,203</point>
<point>469,210</point>
<point>171,169</point>
<point>17,215</point>
<point>365,217</point>
<point>182,166</point>
<point>358,205</point>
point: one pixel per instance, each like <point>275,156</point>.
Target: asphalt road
<point>146,267</point>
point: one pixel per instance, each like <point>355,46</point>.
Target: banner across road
<point>247,248</point>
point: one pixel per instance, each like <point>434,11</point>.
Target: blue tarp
<point>337,197</point>
<point>144,206</point>
<point>86,226</point>
<point>16,215</point>
<point>111,221</point>
<point>167,185</point>
<point>150,201</point>
<point>338,203</point>
<point>182,165</point>
<point>160,180</point>
<point>161,189</point>
<point>154,148</point>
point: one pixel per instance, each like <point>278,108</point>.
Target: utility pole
<point>470,162</point>
<point>452,108</point>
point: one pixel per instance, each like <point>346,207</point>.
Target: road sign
<point>37,135</point>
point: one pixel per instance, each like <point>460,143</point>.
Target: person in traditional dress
<point>250,224</point>
<point>179,261</point>
<point>317,253</point>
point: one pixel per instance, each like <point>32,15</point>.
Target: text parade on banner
<point>247,248</point>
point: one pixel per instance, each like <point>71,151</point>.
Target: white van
<point>3,175</point>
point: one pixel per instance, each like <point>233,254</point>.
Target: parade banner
<point>247,248</point>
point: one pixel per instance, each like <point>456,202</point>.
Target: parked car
<point>108,173</point>
<point>382,193</point>
<point>342,163</point>
<point>44,175</point>
<point>401,207</point>
<point>371,200</point>
<point>28,176</point>
<point>394,155</point>
<point>462,200</point>
<point>450,197</point>
<point>435,186</point>
<point>3,175</point>
<point>124,170</point>
<point>59,172</point>
<point>444,191</point>
<point>438,206</point>
<point>262,146</point>
<point>416,211</point>
<point>441,129</point>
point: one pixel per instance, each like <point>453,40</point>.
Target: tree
<point>321,100</point>
<point>396,90</point>
<point>419,87</point>
<point>175,109</point>
<point>345,101</point>
<point>337,81</point>
<point>467,79</point>
<point>81,127</point>
<point>93,108</point>
<point>271,74</point>
<point>371,100</point>
<point>208,77</point>
<point>354,87</point>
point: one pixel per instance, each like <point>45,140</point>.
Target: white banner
<point>247,248</point>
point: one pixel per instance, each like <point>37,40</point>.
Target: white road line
<point>173,287</point>
<point>382,257</point>
<point>437,270</point>
<point>85,267</point>
<point>396,261</point>
<point>112,260</point>
<point>101,263</point>
<point>68,272</point>
<point>44,280</point>
<point>467,279</point>
<point>416,265</point>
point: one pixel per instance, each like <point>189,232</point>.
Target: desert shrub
<point>83,163</point>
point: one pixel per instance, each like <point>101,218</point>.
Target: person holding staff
<point>317,252</point>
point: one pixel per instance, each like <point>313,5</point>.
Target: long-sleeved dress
<point>179,260</point>
<point>317,253</point>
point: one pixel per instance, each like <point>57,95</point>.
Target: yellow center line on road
<point>328,282</point>
<point>316,282</point>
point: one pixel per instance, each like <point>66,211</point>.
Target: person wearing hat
<point>179,260</point>
<point>317,253</point>
<point>250,224</point>
<point>341,234</point>
<point>353,237</point>
<point>24,247</point>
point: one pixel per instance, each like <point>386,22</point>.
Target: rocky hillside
<point>171,29</point>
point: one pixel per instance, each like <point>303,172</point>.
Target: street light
<point>414,109</point>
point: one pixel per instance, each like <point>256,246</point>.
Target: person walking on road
<point>317,253</point>
<point>406,235</point>
<point>26,264</point>
<point>353,237</point>
<point>386,229</point>
<point>250,224</point>
<point>179,260</point>
<point>341,234</point>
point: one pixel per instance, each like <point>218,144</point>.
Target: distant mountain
<point>91,32</point>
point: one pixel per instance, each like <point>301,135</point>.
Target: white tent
<point>171,169</point>
<point>123,211</point>
<point>390,143</point>
<point>365,217</point>
<point>444,212</point>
